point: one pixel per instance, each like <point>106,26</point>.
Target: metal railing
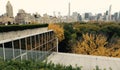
<point>34,47</point>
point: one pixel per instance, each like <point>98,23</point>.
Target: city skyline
<point>45,6</point>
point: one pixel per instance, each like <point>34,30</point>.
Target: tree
<point>59,31</point>
<point>91,44</point>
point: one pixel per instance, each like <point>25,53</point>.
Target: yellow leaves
<point>92,44</point>
<point>59,31</point>
<point>94,41</point>
<point>95,45</point>
<point>101,40</point>
<point>101,51</point>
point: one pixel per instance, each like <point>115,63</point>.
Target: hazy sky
<point>48,6</point>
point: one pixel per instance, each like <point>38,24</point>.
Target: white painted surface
<point>86,61</point>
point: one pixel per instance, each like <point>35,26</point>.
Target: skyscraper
<point>9,10</point>
<point>69,9</point>
<point>109,15</point>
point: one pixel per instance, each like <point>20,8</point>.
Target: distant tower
<point>54,14</point>
<point>59,14</point>
<point>9,9</point>
<point>109,15</point>
<point>119,17</point>
<point>69,9</point>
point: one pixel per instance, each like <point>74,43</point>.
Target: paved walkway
<point>86,61</point>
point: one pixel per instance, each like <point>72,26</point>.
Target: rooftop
<point>86,61</point>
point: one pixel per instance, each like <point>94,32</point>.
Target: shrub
<point>20,27</point>
<point>33,65</point>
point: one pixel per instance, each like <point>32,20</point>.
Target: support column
<point>39,40</point>
<point>13,50</point>
<point>47,42</point>
<point>3,51</point>
<point>57,44</point>
<point>42,46</point>
<point>35,42</point>
<point>39,46</point>
<point>20,49</point>
<point>31,47</point>
<point>26,48</point>
<point>35,49</point>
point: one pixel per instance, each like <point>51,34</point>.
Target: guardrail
<point>35,46</point>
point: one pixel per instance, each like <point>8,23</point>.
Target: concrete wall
<point>14,34</point>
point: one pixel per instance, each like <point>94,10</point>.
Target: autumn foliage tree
<point>59,31</point>
<point>96,45</point>
<point>91,44</point>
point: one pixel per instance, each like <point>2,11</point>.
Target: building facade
<point>7,18</point>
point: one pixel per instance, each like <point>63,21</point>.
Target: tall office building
<point>106,17</point>
<point>116,16</point>
<point>109,15</point>
<point>69,10</point>
<point>9,10</point>
<point>119,17</point>
<point>76,17</point>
